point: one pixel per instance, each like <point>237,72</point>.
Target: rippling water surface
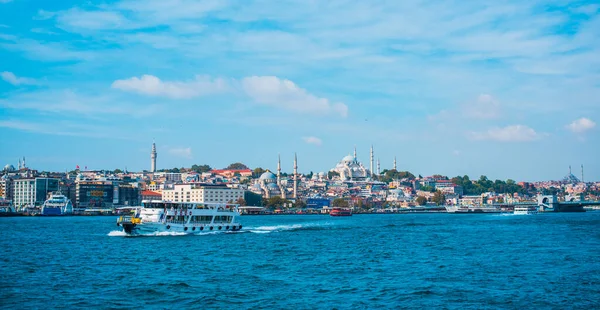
<point>307,262</point>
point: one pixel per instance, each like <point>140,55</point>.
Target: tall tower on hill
<point>295,176</point>
<point>153,158</point>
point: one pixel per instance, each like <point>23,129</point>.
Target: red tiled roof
<point>151,193</point>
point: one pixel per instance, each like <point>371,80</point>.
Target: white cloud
<point>69,102</point>
<point>92,20</point>
<point>153,86</point>
<point>581,125</point>
<point>312,140</point>
<point>63,128</point>
<point>14,80</point>
<point>181,152</point>
<point>485,107</point>
<point>273,91</point>
<point>514,133</point>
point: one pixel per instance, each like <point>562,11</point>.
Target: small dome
<point>321,174</point>
<point>268,176</point>
<point>9,167</point>
<point>272,185</point>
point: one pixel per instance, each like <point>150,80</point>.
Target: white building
<point>28,192</point>
<point>202,193</point>
<point>23,192</point>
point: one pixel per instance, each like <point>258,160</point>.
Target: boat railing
<point>129,219</point>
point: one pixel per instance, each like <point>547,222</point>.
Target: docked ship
<point>157,216</point>
<point>340,212</point>
<point>57,204</point>
<point>6,208</point>
<point>472,209</point>
<point>525,210</point>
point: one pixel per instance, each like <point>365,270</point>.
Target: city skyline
<point>509,92</point>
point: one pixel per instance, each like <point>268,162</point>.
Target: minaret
<point>295,176</point>
<point>395,163</point>
<point>279,170</point>
<point>24,166</point>
<point>355,153</point>
<point>19,163</point>
<point>582,181</point>
<point>378,167</point>
<point>153,158</point>
<point>570,170</point>
<point>372,162</point>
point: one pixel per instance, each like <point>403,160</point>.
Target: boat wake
<point>280,228</point>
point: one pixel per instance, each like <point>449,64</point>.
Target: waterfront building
<point>230,173</point>
<point>94,195</point>
<point>150,195</point>
<point>318,203</point>
<point>127,195</point>
<point>6,187</point>
<point>202,193</point>
<point>33,191</point>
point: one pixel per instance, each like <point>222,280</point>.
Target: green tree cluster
<point>439,198</point>
<point>340,203</point>
<point>485,185</point>
<point>237,166</point>
<point>390,175</point>
<point>201,168</point>
<point>421,200</point>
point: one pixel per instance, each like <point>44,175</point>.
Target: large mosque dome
<point>9,168</point>
<point>268,176</point>
<point>348,159</point>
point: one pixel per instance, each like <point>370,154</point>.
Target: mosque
<point>350,169</point>
<point>270,185</point>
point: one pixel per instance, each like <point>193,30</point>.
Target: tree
<point>438,198</point>
<point>340,203</point>
<point>201,168</point>
<point>237,166</point>
<point>117,171</point>
<point>421,201</point>
<point>300,204</point>
<point>427,188</point>
<point>275,201</point>
<point>332,174</point>
<point>241,201</point>
<point>257,172</point>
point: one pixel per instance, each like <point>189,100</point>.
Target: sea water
<point>437,261</point>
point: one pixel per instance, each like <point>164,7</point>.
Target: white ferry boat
<point>57,204</point>
<point>525,210</point>
<point>472,209</point>
<point>157,216</point>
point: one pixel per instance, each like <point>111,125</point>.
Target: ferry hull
<point>156,228</point>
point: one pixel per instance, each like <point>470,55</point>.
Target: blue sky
<point>509,90</point>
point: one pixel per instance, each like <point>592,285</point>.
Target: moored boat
<point>472,209</point>
<point>57,204</point>
<point>340,212</point>
<point>525,210</point>
<point>6,208</point>
<point>158,216</point>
